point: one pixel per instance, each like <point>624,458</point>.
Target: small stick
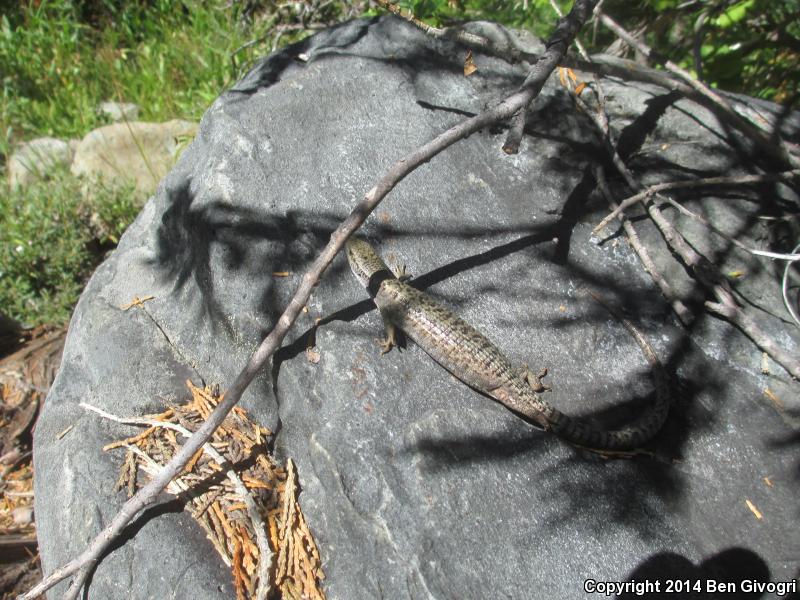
<point>708,275</point>
<point>705,272</point>
<point>515,132</point>
<point>681,310</point>
<point>600,120</point>
<point>700,219</point>
<point>785,289</point>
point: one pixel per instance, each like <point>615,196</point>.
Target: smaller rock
<point>35,159</point>
<point>22,516</point>
<point>134,151</point>
<point>119,111</point>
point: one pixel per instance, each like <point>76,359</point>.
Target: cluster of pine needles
<point>244,500</point>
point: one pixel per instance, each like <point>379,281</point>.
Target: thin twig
<point>515,132</point>
<point>727,308</point>
<point>599,66</point>
<point>705,272</point>
<point>581,49</point>
<point>559,42</point>
<point>726,305</point>
<point>695,183</point>
<point>700,219</point>
<point>600,119</point>
<point>785,288</point>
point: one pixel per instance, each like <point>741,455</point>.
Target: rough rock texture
<point>414,485</point>
<point>134,151</point>
<point>34,159</point>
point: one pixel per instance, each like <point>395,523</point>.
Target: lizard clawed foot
<point>535,380</point>
<point>390,341</point>
<point>386,344</point>
<point>402,275</point>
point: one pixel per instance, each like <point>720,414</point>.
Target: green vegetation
<point>59,62</point>
<point>747,46</point>
<point>52,240</point>
<point>59,59</point>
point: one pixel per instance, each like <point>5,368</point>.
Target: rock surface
<point>35,159</point>
<point>134,151</point>
<point>415,486</point>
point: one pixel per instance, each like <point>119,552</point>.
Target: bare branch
<point>726,306</point>
<point>259,527</point>
<point>581,49</point>
<point>705,272</point>
<point>681,310</point>
<point>515,132</point>
<point>695,183</point>
<point>598,65</point>
<point>785,289</point>
<point>700,219</point>
<point>600,120</point>
<point>560,40</point>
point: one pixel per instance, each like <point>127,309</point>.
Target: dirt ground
<point>29,360</point>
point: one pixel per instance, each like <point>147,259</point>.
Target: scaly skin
<point>472,358</point>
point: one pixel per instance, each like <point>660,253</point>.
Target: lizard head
<point>364,261</point>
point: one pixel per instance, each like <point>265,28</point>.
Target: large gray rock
<point>414,485</point>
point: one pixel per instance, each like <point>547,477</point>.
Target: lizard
<point>473,359</point>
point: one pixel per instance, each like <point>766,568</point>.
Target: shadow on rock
<point>674,575</point>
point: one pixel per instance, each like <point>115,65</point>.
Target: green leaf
<point>734,14</point>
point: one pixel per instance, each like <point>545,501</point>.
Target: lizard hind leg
<point>534,380</point>
<point>532,411</point>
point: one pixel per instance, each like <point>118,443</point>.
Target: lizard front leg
<point>401,273</point>
<point>390,341</point>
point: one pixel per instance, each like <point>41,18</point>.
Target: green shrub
<point>58,61</point>
<point>171,58</point>
<point>52,240</point>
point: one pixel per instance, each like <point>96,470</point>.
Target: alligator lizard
<point>472,358</point>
